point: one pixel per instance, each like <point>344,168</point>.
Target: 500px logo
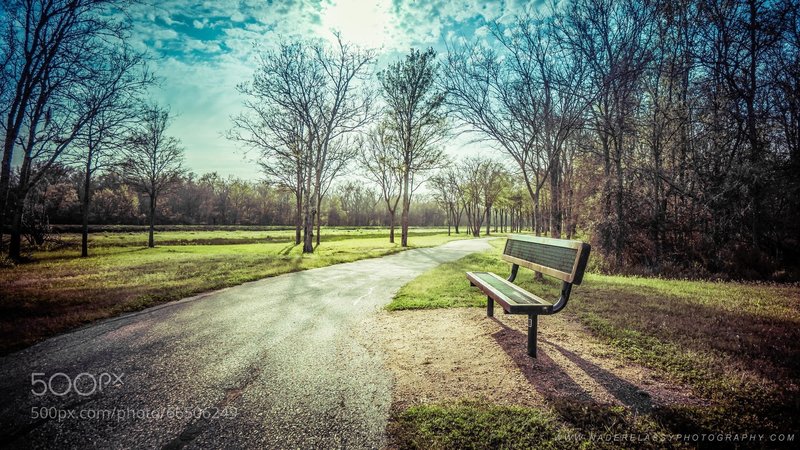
<point>83,384</point>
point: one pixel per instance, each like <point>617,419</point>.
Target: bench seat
<point>513,298</point>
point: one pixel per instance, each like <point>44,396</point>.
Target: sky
<point>202,49</point>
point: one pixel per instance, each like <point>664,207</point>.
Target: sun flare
<point>368,24</point>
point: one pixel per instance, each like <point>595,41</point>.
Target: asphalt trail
<point>267,364</point>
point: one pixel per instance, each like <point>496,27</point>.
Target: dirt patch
<point>454,354</point>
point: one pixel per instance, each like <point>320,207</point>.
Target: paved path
<point>270,363</point>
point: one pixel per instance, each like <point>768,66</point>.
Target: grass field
<point>58,290</point>
<point>736,345</point>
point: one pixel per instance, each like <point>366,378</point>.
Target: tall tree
<point>121,81</point>
<point>414,106</point>
<point>153,160</point>
<point>382,161</point>
<point>614,38</point>
<point>494,96</point>
<point>304,99</point>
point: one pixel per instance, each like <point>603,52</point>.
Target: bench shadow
<point>623,390</point>
<point>543,373</point>
<point>552,381</point>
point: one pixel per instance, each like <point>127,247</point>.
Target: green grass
<point>58,290</point>
<point>736,344</point>
<point>443,286</point>
<point>475,425</point>
<point>479,425</point>
<point>137,236</point>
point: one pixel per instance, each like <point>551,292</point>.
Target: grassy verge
<point>736,344</point>
<point>59,290</point>
<point>474,425</point>
<point>478,425</point>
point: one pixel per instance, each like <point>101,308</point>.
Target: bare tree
<point>303,101</point>
<point>614,38</point>
<point>153,160</point>
<point>121,80</point>
<point>500,106</point>
<point>383,162</point>
<point>478,182</point>
<point>414,106</point>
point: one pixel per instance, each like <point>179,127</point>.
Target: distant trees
<point>473,186</point>
<point>304,100</point>
<point>414,110</point>
<point>153,160</point>
<point>444,185</point>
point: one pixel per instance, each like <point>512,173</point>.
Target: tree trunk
<point>15,243</point>
<point>308,220</point>
<point>391,226</point>
<point>308,231</point>
<point>318,217</point>
<point>752,128</point>
<point>488,219</point>
<point>406,206</point>
<point>150,242</point>
<point>298,219</point>
<point>5,180</point>
<point>620,232</point>
<point>555,207</point>
<point>17,202</point>
<point>87,183</point>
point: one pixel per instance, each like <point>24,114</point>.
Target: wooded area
<point>667,133</point>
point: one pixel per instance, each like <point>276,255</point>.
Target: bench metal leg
<point>532,327</point>
<point>489,307</point>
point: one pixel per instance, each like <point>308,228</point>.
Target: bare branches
<point>414,110</point>
<point>153,161</point>
<point>304,100</point>
<point>49,89</point>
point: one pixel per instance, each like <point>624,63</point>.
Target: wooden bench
<point>559,258</point>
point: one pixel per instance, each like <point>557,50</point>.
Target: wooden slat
<point>566,243</point>
<point>540,268</point>
<point>509,304</point>
<point>549,264</point>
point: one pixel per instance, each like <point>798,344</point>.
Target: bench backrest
<point>560,258</point>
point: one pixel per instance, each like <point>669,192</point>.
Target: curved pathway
<point>271,363</point>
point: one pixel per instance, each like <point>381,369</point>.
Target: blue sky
<point>202,49</point>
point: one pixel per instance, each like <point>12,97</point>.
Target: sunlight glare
<point>365,23</point>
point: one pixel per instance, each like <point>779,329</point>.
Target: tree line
<point>207,199</point>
